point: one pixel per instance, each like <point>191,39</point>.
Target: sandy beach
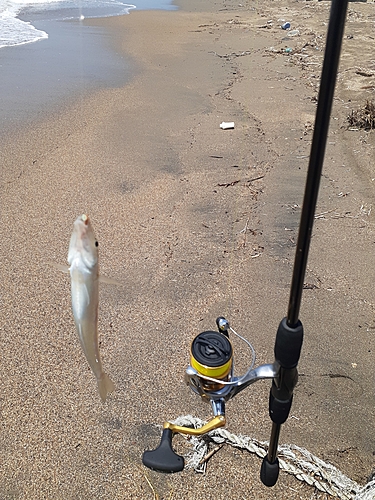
<point>194,222</point>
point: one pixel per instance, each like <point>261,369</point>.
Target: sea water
<point>17,17</point>
<point>69,57</point>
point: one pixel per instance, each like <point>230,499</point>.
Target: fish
<point>83,259</point>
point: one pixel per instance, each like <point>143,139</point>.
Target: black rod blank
<point>327,87</point>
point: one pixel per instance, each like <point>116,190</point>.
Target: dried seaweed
<point>363,117</point>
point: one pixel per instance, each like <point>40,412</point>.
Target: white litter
<point>226,125</point>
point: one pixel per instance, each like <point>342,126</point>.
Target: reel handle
<point>163,458</point>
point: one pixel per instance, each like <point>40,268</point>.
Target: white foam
<point>14,31</point>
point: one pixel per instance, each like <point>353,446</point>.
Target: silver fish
<point>84,274</point>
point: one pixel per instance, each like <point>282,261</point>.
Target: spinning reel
<point>210,373</point>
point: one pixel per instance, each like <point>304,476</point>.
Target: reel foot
<point>269,472</point>
<point>163,458</point>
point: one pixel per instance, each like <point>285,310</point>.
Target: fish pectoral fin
<point>105,386</point>
<point>109,281</point>
<point>87,295</point>
<point>59,267</point>
<point>80,336</point>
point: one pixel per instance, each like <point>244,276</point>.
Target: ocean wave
<point>17,31</point>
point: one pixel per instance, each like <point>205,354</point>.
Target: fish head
<point>83,244</point>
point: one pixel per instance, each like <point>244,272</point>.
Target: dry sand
<point>190,236</point>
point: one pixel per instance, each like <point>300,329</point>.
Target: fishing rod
<point>289,336</point>
<point>210,373</point>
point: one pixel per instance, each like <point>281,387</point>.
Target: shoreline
<point>194,222</point>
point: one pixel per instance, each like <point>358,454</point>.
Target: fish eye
<point>96,243</point>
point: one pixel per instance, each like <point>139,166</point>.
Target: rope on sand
<point>292,459</point>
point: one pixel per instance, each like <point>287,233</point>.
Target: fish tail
<point>105,386</point>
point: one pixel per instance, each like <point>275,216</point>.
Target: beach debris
<point>245,228</point>
<point>226,125</point>
<point>293,33</point>
<point>156,496</point>
<point>255,178</point>
<point>232,54</point>
<point>84,273</point>
<point>210,454</point>
<point>227,184</point>
<point>365,209</point>
<point>285,26</point>
<point>365,72</point>
<point>286,50</point>
<point>363,117</point>
<point>310,286</point>
<point>322,215</point>
<point>268,24</point>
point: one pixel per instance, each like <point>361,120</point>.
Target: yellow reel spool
<point>212,355</point>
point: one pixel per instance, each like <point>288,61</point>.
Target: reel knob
<point>223,325</point>
<point>163,458</point>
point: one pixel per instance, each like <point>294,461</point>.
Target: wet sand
<point>191,235</point>
<point>38,78</point>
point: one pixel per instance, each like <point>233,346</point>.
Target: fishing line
<point>243,208</point>
<point>236,246</point>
